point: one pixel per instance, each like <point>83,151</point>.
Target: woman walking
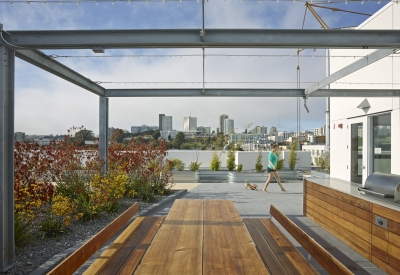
<point>272,162</point>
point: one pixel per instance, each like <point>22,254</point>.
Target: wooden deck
<point>196,237</point>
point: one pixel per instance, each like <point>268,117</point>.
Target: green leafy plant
<point>239,168</point>
<point>215,162</point>
<point>52,227</point>
<point>323,162</point>
<point>230,161</point>
<point>194,166</point>
<point>178,164</point>
<point>259,165</point>
<point>279,164</point>
<point>23,231</point>
<point>293,159</point>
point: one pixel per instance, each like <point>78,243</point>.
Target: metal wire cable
<point>163,1</point>
<point>54,56</point>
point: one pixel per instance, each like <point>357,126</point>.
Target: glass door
<point>356,148</point>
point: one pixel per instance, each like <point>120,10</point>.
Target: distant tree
<point>156,134</point>
<point>178,140</point>
<point>83,135</point>
<point>220,141</point>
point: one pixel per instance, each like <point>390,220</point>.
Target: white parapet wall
<point>247,159</point>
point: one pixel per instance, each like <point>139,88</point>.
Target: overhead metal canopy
<point>249,93</point>
<point>355,66</point>
<point>214,38</point>
<point>44,62</point>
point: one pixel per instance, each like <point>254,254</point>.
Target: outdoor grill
<point>382,186</point>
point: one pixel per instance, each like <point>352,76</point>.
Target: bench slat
<point>326,260</point>
<point>123,253</point>
<point>228,248</point>
<point>137,254</point>
<point>270,259</point>
<point>296,259</point>
<point>177,248</point>
<point>109,253</point>
<point>80,256</point>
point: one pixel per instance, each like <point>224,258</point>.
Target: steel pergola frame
<point>27,44</point>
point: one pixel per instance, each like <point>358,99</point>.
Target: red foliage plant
<point>37,167</point>
<point>144,160</point>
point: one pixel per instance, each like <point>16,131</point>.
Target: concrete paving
<point>253,204</point>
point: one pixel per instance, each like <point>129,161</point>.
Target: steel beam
<point>7,73</point>
<point>355,66</point>
<point>207,92</point>
<point>216,38</point>
<point>103,131</point>
<point>44,62</point>
<point>249,93</point>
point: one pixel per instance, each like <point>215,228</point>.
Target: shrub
<point>279,164</point>
<point>23,231</point>
<point>323,162</point>
<point>178,164</point>
<point>215,162</point>
<point>259,165</point>
<point>230,162</point>
<point>239,168</point>
<point>293,156</point>
<point>52,227</point>
<point>194,166</point>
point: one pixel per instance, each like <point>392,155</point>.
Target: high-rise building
<point>160,121</point>
<point>138,129</point>
<point>229,127</point>
<point>190,123</point>
<point>259,130</point>
<point>221,123</point>
<point>166,123</point>
<point>19,136</point>
<point>320,131</point>
<point>273,131</point>
<point>204,130</point>
<point>284,134</point>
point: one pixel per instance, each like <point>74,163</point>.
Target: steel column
<point>103,131</point>
<point>7,72</point>
<point>328,106</point>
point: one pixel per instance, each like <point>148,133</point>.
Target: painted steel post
<point>7,69</point>
<point>103,131</point>
<point>328,106</point>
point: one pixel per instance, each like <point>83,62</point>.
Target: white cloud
<point>46,104</point>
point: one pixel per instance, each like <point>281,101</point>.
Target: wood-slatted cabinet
<point>352,220</point>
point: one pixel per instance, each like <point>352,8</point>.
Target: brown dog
<point>251,186</point>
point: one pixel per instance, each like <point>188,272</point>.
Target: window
<point>382,149</point>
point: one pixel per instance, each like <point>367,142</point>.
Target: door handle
<point>363,167</point>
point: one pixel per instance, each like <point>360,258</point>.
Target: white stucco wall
<point>247,159</point>
<point>344,110</point>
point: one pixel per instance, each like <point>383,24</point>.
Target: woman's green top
<point>273,159</point>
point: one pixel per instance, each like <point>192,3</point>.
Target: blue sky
<point>46,104</point>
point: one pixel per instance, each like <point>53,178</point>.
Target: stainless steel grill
<point>382,185</point>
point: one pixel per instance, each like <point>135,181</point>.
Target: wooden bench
<point>126,252</point>
<point>74,261</point>
<point>202,237</point>
<point>280,256</point>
